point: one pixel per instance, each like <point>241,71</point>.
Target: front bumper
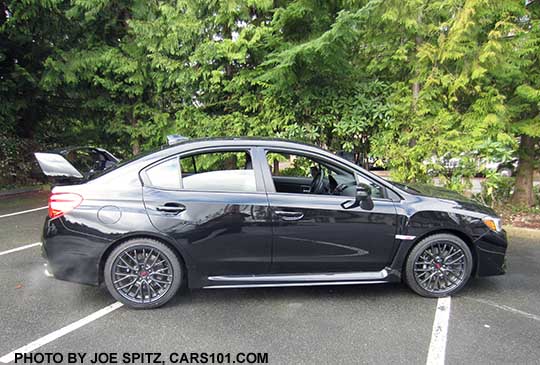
<point>491,253</point>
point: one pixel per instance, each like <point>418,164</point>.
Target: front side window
<point>297,173</point>
<point>218,171</point>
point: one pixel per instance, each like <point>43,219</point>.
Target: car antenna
<point>175,138</point>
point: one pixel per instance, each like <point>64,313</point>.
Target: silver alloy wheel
<point>142,274</point>
<point>441,267</point>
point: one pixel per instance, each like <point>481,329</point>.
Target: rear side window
<point>166,175</point>
<point>218,171</point>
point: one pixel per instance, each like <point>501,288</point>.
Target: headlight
<point>493,223</point>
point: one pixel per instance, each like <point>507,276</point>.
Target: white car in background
<point>448,164</point>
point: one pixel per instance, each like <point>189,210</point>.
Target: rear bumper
<point>491,254</point>
<point>70,255</point>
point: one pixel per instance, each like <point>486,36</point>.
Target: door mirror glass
<point>362,198</point>
<point>363,192</point>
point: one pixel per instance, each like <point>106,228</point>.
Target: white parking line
<point>507,308</point>
<point>22,212</point>
<point>20,248</point>
<point>437,346</point>
<point>61,332</point>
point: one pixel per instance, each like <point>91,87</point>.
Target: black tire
<point>162,283</point>
<point>438,266</point>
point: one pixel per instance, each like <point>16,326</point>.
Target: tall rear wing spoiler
<point>55,165</point>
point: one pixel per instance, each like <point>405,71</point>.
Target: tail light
<point>62,203</point>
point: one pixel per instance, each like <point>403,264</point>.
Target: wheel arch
<point>150,235</point>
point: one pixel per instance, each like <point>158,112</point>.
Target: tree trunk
<point>523,191</point>
<point>135,143</point>
<point>135,147</point>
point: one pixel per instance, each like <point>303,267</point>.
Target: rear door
<point>212,202</point>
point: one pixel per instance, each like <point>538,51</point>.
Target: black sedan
<point>243,213</point>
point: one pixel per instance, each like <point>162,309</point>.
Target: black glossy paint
<point>225,233</point>
<point>329,238</point>
<point>245,234</point>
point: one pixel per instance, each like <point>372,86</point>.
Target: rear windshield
<point>97,174</point>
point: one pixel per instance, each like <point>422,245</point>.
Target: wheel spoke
<point>161,270</point>
<point>124,261</point>
<point>160,281</point>
<point>158,284</point>
<point>151,288</point>
<point>161,262</point>
<point>448,256</point>
<point>133,259</point>
<point>147,256</point>
<point>456,260</point>
<point>156,257</point>
<point>128,284</point>
<point>137,292</point>
<point>166,275</point>
<point>429,277</point>
<point>124,278</point>
<point>449,279</point>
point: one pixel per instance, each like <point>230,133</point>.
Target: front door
<point>314,231</point>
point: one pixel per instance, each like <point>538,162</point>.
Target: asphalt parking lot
<point>494,320</point>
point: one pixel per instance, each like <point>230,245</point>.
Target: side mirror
<point>363,192</point>
<point>362,198</point>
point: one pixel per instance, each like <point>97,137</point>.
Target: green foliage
<point>413,81</point>
<point>496,189</point>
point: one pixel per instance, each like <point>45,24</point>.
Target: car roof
<point>225,142</point>
<point>242,140</point>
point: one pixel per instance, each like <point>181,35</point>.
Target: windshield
<point>404,187</point>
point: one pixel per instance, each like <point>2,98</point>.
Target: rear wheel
<point>143,273</point>
<point>438,266</point>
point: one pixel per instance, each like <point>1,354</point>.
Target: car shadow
<point>372,292</point>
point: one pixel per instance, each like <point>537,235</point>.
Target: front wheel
<point>143,273</point>
<point>438,266</point>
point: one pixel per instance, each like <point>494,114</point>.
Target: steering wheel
<point>333,187</point>
<point>317,185</point>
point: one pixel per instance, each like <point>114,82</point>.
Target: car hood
<point>447,195</point>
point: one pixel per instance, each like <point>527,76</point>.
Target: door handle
<point>171,208</point>
<point>289,216</point>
